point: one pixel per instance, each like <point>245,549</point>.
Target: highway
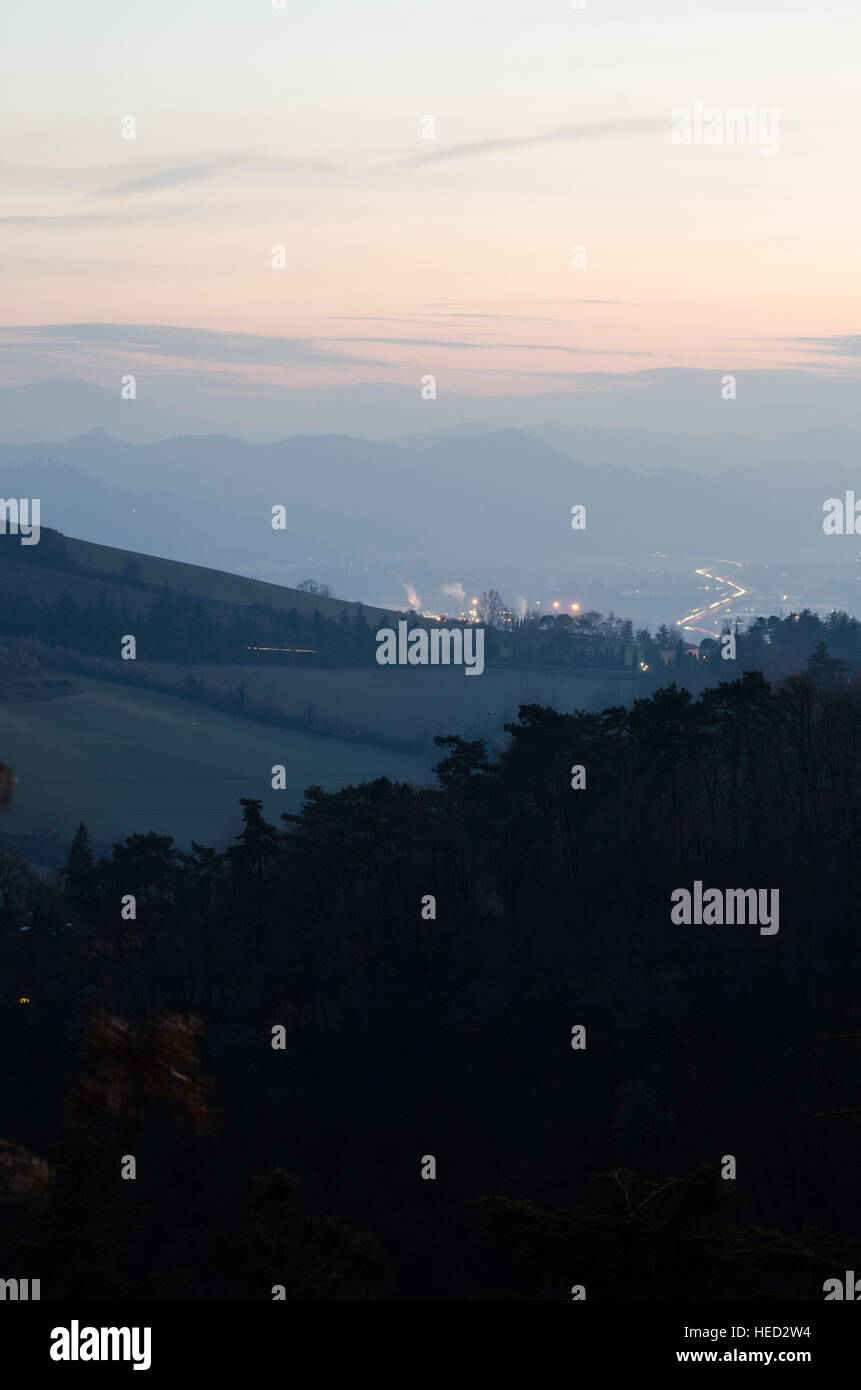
<point>713,611</point>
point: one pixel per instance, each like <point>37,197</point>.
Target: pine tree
<point>824,668</point>
<point>79,869</point>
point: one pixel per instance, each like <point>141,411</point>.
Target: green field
<point>413,702</point>
<point>125,760</point>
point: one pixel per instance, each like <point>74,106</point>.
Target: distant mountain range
<point>815,409</point>
<point>496,504</point>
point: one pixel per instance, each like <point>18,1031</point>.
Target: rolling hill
<point>125,760</point>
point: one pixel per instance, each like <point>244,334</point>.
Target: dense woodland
<point>409,1035</point>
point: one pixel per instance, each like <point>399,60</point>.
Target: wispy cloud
<point>559,135</point>
<point>461,345</point>
<point>168,178</point>
<point>184,344</point>
<point>144,213</point>
<point>251,162</point>
<point>841,345</point>
<point>48,219</point>
<point>626,302</point>
<point>455,317</point>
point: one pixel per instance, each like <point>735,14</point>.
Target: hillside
<point>88,570</point>
<point>126,760</point>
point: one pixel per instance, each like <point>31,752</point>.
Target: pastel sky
<point>302,126</point>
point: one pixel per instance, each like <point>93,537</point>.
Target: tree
<point>465,765</point>
<point>824,668</point>
<point>587,621</point>
<point>132,1068</point>
<point>310,1257</point>
<point>313,586</point>
<point>71,1218</point>
<point>146,866</point>
<point>19,890</point>
<point>79,868</point>
<point>490,607</point>
<point>636,1238</point>
<point>251,854</point>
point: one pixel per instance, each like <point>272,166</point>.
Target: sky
<point>305,127</point>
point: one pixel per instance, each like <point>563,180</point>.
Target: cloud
<point>168,178</point>
<point>149,212</point>
<point>29,176</point>
<point>174,176</point>
<point>455,316</point>
<point>560,135</point>
<point>626,302</point>
<point>504,318</point>
<point>496,347</point>
<point>41,219</point>
<point>841,345</point>
<point>588,377</point>
<point>189,344</point>
<point>225,362</point>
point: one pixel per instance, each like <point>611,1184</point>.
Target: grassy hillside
<point>215,585</point>
<point>126,760</point>
<point>90,571</point>
<point>412,702</point>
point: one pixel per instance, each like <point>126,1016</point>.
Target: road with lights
<point>715,612</point>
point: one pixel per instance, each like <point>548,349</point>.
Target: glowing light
<point>556,603</point>
<point>575,608</point>
<point>24,999</point>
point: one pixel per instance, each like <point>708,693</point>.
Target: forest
<point>483,973</point>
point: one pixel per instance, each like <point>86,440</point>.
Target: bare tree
<point>491,607</point>
<point>313,586</point>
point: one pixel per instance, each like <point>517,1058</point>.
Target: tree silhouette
<point>640,1239</point>
<point>133,1067</point>
<point>310,1257</point>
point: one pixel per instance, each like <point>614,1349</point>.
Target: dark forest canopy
<point>411,1033</point>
